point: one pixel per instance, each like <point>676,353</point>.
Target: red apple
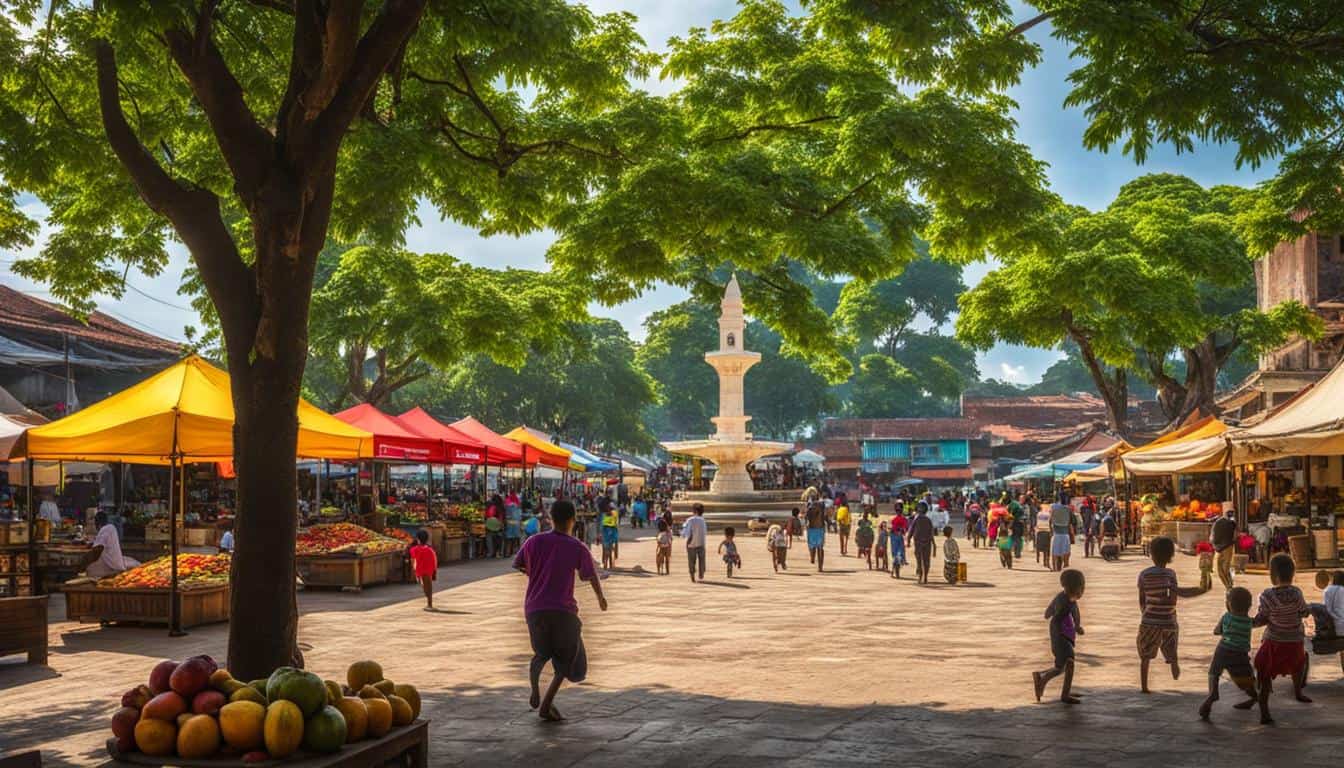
<point>160,676</point>
<point>123,723</point>
<point>165,706</point>
<point>190,677</point>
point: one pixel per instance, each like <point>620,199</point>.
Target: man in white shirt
<point>50,512</point>
<point>696,533</point>
<point>105,558</point>
<point>1330,612</point>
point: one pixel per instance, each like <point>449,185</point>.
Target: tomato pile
<point>343,537</point>
<point>192,571</point>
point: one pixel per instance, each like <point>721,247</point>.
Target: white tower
<point>731,361</point>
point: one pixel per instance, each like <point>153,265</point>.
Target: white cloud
<point>1016,374</point>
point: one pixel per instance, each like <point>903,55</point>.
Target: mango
<point>363,673</point>
<point>401,710</point>
<point>380,717</point>
<point>411,695</point>
<point>165,706</point>
<point>369,692</point>
<point>198,738</point>
<point>283,729</point>
<point>242,724</point>
<point>356,716</point>
<point>386,686</point>
<point>248,693</point>
<point>156,738</point>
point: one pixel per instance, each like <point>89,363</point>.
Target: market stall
<point>538,449</point>
<point>181,416</point>
<point>1291,471</point>
<point>144,594</point>
<point>1180,482</point>
<point>348,556</point>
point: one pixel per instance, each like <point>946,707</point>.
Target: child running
<point>426,563</point>
<point>1158,629</point>
<point>728,548</point>
<point>664,558</point>
<point>1233,654</point>
<point>951,555</point>
<point>778,544</point>
<point>863,538</point>
<point>880,547</point>
<point>1066,624</point>
<point>1283,650</point>
<point>1005,545</point>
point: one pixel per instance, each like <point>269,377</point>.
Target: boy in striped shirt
<point>1158,592</point>
<point>1233,654</point>
<point>1283,648</point>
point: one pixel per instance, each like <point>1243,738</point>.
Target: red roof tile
<point>21,312</point>
<point>949,428</point>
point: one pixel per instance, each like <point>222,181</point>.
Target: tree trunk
<point>267,376</point>
<point>1201,380</point>
<point>1114,387</point>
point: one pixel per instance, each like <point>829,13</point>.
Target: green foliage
<point>1265,75</point>
<point>588,390</point>
<point>782,392</point>
<point>879,312</point>
<point>403,312</point>
<point>883,388</point>
<point>1162,269</point>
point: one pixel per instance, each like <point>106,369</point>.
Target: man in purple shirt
<point>550,561</point>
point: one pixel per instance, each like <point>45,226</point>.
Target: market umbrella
<point>460,447</point>
<point>548,453</point>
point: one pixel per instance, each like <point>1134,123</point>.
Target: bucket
<point>961,573</point>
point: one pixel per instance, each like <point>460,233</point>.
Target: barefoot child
<point>896,538</point>
<point>664,558</point>
<point>1065,625</point>
<point>951,555</point>
<point>728,548</point>
<point>1158,629</point>
<point>1233,654</point>
<point>1282,649</point>
<point>778,541</point>
<point>426,564</point>
<point>611,536</point>
<point>880,547</point>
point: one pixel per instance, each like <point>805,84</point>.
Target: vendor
<point>104,558</point>
<point>226,540</point>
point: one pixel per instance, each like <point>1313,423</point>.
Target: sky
<point>1053,133</point>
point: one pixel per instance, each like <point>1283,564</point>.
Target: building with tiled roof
<point>53,362</point>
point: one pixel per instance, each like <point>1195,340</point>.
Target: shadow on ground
<point>658,726</point>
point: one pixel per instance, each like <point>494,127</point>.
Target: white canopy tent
<point>1311,424</point>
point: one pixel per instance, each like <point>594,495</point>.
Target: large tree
<point>1130,286</point>
<point>255,132</point>
<point>882,313</point>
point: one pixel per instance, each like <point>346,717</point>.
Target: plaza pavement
<point>797,669</point>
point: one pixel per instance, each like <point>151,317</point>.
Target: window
<point>925,453</point>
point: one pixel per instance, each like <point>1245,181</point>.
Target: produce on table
<point>399,535</point>
<point>192,571</point>
<point>343,538</point>
<point>201,710</point>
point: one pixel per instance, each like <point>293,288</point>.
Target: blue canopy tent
<point>583,461</point>
<point>1053,470</point>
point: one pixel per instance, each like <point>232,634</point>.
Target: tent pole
<point>1306,478</point>
<point>175,485</point>
<point>32,533</point>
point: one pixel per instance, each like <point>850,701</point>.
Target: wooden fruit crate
<point>407,745</point>
<point>23,627</point>
<point>85,602</point>
<point>349,571</point>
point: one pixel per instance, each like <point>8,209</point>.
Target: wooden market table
<point>404,746</point>
<point>86,602</point>
<point>349,570</point>
<point>23,627</point>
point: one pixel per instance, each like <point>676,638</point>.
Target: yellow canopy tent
<point>181,415</point>
<point>1197,447</point>
<point>1311,424</point>
<point>547,453</point>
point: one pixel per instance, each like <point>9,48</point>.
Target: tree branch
<point>745,132</point>
<point>1029,23</point>
<point>476,99</point>
<point>155,186</point>
<point>245,145</point>
<point>838,204</point>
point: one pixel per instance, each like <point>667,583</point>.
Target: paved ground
<point>845,668</point>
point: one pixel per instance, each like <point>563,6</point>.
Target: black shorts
<point>1062,648</point>
<point>557,637</point>
<point>1236,663</point>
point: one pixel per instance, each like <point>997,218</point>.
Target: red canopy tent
<point>392,440</point>
<point>500,450</point>
<point>459,447</point>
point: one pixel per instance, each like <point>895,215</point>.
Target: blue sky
<point>1054,134</point>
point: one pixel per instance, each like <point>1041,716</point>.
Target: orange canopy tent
<point>534,443</point>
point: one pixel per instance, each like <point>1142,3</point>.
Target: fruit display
<point>192,571</point>
<point>344,538</point>
<point>399,535</point>
<point>195,709</point>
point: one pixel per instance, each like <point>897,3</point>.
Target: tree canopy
<point>1149,276</point>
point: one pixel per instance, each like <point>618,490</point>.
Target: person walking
<point>922,533</point>
<point>1062,531</point>
<point>696,533</point>
<point>816,534</point>
<point>1223,536</point>
<point>550,561</point>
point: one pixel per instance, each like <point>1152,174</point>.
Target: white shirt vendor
<point>50,512</point>
<point>110,560</point>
